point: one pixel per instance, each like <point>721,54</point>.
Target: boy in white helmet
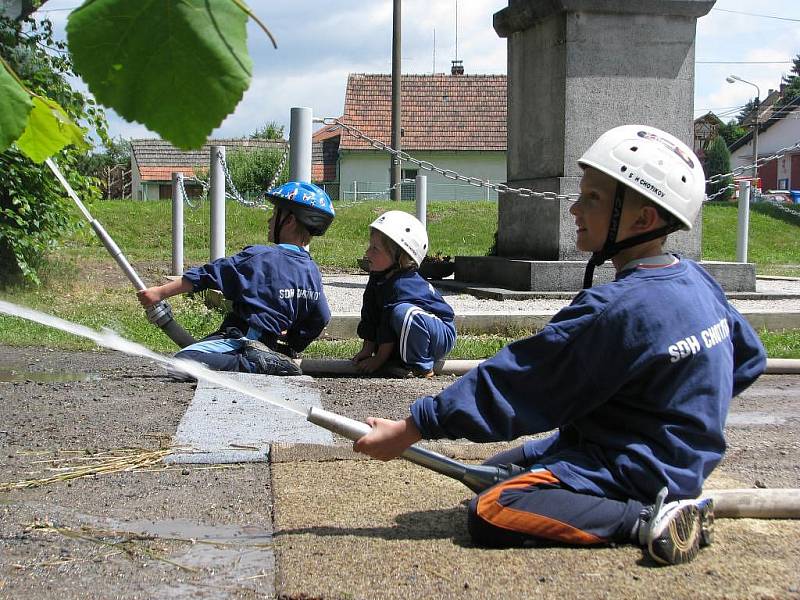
<point>635,375</point>
<point>403,318</point>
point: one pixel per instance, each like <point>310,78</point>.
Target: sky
<point>320,43</point>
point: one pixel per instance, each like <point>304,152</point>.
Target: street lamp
<point>734,79</point>
<point>743,223</point>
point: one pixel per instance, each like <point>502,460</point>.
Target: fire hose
<point>756,503</point>
<point>159,314</point>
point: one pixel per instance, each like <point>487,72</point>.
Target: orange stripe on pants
<point>492,511</point>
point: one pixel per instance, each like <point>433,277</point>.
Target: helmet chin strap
<point>280,219</point>
<point>611,247</point>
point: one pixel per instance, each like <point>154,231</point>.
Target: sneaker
<point>422,374</point>
<point>676,531</point>
<point>399,370</point>
<point>269,362</point>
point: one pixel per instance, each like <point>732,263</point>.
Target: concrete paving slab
<point>226,426</point>
<point>365,529</point>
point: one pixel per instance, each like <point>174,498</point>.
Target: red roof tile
<point>440,112</point>
<point>165,173</point>
<point>158,159</point>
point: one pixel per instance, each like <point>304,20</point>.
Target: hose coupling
<point>159,314</point>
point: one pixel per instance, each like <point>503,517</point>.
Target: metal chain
<point>260,202</point>
<point>279,170</point>
<point>761,161</point>
<point>522,192</point>
<point>446,173</point>
<point>185,196</point>
<point>230,189</point>
<point>784,208</point>
<point>720,192</point>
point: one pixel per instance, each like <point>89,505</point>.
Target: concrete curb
<point>344,325</point>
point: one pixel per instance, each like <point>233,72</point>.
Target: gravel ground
<point>344,294</point>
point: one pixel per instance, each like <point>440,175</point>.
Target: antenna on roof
<point>457,67</point>
<point>456,56</point>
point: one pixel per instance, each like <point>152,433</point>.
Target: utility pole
<point>394,170</point>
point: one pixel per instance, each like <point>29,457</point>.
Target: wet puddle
<point>8,375</point>
<point>224,557</point>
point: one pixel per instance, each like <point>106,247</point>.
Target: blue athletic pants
<point>536,506</point>
<point>423,338</point>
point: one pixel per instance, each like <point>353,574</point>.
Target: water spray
<point>475,477</point>
<point>159,314</point>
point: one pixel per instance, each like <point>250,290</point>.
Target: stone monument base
<point>567,275</point>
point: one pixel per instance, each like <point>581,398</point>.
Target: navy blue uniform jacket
<point>382,295</point>
<point>636,375</point>
<point>273,288</point>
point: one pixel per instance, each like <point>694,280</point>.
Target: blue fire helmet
<point>309,203</point>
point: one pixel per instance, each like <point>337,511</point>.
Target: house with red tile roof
<point>777,131</point>
<point>154,161</point>
<point>456,122</point>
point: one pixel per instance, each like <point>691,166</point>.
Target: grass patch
<point>468,347</point>
<point>773,243</point>
<point>81,282</point>
<point>143,230</point>
<point>781,344</point>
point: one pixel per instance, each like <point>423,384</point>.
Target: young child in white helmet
<point>635,376</point>
<point>405,325</point>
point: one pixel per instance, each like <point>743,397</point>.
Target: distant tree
<point>747,110</point>
<point>792,82</point>
<point>270,131</point>
<point>717,162</point>
<point>33,211</point>
<point>731,131</point>
<point>795,71</point>
<point>116,151</point>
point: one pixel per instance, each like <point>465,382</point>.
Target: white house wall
<point>136,179</point>
<point>369,171</point>
<point>783,134</point>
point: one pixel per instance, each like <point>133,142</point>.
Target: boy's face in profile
<point>377,255</point>
<point>592,211</point>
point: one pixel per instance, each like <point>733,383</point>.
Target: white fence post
<point>421,194</point>
<point>217,240</point>
<point>177,223</point>
<point>743,222</point>
<point>300,144</point>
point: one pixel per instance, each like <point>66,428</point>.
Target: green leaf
<point>49,129</point>
<point>15,104</point>
<point>177,66</point>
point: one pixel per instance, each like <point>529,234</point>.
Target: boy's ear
<point>648,218</point>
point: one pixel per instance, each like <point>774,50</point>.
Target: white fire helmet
<point>406,231</point>
<point>654,163</point>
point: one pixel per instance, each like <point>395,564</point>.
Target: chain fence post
<point>217,239</point>
<point>177,223</point>
<point>300,144</point>
<point>421,195</point>
<point>743,221</point>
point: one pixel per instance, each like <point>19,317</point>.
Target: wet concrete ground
<point>321,522</point>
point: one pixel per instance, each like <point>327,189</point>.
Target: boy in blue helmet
<point>635,376</point>
<point>278,302</point>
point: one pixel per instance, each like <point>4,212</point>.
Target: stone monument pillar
<point>577,68</point>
